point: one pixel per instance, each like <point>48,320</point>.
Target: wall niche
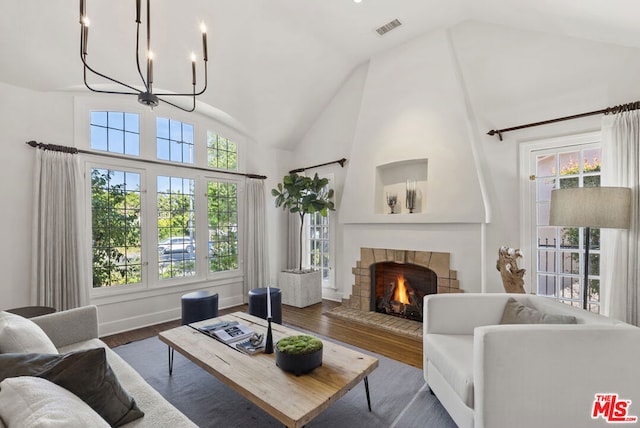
<point>393,179</point>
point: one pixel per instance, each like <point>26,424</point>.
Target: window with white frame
<point>222,152</point>
<point>115,132</point>
<point>116,227</point>
<point>222,197</point>
<point>319,255</point>
<point>174,140</point>
<point>149,220</point>
<point>558,253</point>
<point>176,227</point>
<point>319,245</point>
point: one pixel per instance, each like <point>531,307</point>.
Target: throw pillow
<point>517,313</point>
<point>32,402</point>
<point>18,334</point>
<point>87,374</point>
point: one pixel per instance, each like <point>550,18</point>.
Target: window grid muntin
<point>116,233</point>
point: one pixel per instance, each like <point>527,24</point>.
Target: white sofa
<point>77,329</point>
<point>492,375</point>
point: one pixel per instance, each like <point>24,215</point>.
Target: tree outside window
<point>115,217</point>
<point>223,225</point>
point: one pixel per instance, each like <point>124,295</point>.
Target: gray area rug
<point>399,396</point>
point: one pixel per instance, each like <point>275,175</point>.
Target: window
<point>115,132</point>
<point>116,232</point>
<point>176,227</point>
<point>318,249</point>
<point>223,226</point>
<point>319,244</point>
<point>174,141</point>
<point>157,225</point>
<point>559,251</point>
<point>222,153</point>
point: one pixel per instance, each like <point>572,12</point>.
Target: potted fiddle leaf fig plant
<point>302,195</point>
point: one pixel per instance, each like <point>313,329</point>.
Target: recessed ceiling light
<point>357,1</point>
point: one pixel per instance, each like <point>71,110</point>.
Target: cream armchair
<point>492,375</point>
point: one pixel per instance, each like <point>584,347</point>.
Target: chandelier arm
<point>178,107</point>
<point>101,91</point>
<point>149,66</point>
<point>205,80</point>
<point>138,55</point>
<point>87,67</point>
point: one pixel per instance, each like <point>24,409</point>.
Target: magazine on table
<point>227,331</point>
<point>251,346</point>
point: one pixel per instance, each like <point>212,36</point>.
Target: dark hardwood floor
<point>312,318</point>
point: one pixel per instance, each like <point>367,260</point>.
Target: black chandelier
<point>146,96</point>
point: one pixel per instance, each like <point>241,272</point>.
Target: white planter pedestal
<point>300,290</point>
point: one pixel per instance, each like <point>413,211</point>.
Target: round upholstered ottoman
<point>258,303</point>
<point>198,306</point>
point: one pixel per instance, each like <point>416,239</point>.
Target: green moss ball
<point>299,345</point>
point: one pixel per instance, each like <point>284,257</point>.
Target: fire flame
<point>401,291</point>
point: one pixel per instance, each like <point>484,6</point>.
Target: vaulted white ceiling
<point>273,64</point>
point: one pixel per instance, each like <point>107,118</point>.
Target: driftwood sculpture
<point>507,265</point>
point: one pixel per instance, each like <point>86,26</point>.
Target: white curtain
<point>60,271</point>
<point>257,256</point>
<point>620,266</point>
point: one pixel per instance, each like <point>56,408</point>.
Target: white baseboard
<point>332,294</point>
<point>152,318</point>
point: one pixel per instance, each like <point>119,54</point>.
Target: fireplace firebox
<point>398,289</point>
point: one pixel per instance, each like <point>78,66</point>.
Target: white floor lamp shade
<point>605,207</point>
<point>601,207</point>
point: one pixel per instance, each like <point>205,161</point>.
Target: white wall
<point>24,115</point>
<point>516,77</point>
<point>436,97</point>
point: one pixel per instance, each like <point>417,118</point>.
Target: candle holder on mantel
<point>392,201</point>
<point>411,195</point>
<point>268,345</point>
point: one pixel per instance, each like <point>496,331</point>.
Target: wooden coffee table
<point>293,400</point>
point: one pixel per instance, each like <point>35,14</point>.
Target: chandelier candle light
<point>145,96</point>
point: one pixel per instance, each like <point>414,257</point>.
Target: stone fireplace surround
<point>357,307</point>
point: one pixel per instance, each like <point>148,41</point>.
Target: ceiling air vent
<point>388,27</point>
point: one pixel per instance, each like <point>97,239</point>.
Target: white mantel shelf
<point>411,219</point>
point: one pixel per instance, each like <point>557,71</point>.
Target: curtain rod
<point>74,150</point>
<point>340,161</point>
<point>609,110</point>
